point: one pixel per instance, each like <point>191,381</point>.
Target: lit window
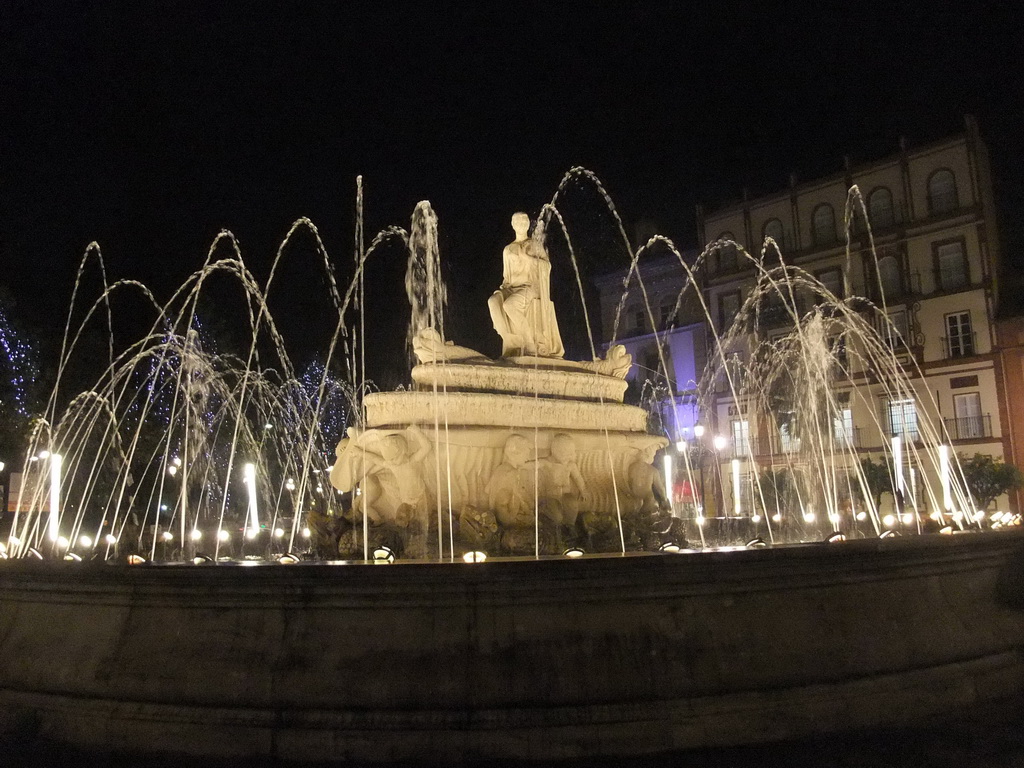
<point>903,419</point>
<point>942,196</point>
<point>959,335</point>
<point>893,328</point>
<point>842,426</point>
<point>952,266</point>
<point>741,437</point>
<point>880,210</point>
<point>788,442</point>
<point>824,225</point>
<point>969,421</point>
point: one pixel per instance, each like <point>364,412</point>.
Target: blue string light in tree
<point>23,367</point>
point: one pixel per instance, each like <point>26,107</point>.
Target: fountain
<point>550,607</point>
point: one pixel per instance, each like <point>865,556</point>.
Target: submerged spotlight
<point>669,546</point>
<point>289,558</point>
<point>757,543</point>
<point>808,517</point>
<point>383,555</point>
<point>110,538</point>
<point>572,552</point>
<point>835,537</point>
<point>889,534</point>
<point>223,535</point>
<point>62,542</point>
<point>135,559</point>
<point>776,518</point>
<point>201,559</point>
<point>196,534</point>
<point>889,521</point>
<point>167,535</point>
<point>85,541</point>
<point>279,533</point>
<point>306,533</point>
<point>475,556</point>
<point>755,518</point>
<point>862,516</point>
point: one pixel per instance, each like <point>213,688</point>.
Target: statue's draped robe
<point>531,328</point>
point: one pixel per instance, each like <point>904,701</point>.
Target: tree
<point>988,478</point>
<point>878,477</point>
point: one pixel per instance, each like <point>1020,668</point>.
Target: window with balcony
<point>880,210</point>
<point>842,426</point>
<point>894,328</point>
<point>788,441</point>
<point>773,229</point>
<point>726,250</point>
<point>890,277</point>
<point>969,422</point>
<point>741,437</point>
<point>728,308</point>
<point>639,317</point>
<point>951,266</point>
<point>959,335</point>
<point>902,418</point>
<point>832,279</point>
<point>668,310</point>
<point>823,225</point>
<point>942,195</point>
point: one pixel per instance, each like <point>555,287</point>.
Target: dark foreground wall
<point>534,660</point>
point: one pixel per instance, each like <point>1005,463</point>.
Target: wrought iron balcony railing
<point>969,427</point>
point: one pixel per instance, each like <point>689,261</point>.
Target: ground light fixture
<point>33,552</point>
<point>289,558</point>
<point>135,559</point>
<point>474,557</point>
<point>669,546</point>
<point>201,559</point>
<point>835,537</point>
<point>571,552</point>
<point>757,543</point>
<point>889,534</point>
<point>382,555</point>
<point>946,529</point>
<point>71,557</point>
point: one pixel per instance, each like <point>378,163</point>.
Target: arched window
<point>889,277</point>
<point>942,197</point>
<point>726,253</point>
<point>824,225</point>
<point>880,211</point>
<point>773,229</point>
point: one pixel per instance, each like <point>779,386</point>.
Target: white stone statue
<point>521,309</point>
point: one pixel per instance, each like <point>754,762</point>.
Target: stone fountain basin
<point>510,659</point>
<point>488,409</point>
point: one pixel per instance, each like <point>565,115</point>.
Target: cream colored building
<point>933,220</point>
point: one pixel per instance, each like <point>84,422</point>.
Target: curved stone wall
<point>514,659</point>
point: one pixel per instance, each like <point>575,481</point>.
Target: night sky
<point>151,127</point>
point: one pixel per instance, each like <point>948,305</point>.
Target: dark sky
<point>149,127</point>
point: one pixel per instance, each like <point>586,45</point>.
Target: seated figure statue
<point>521,309</point>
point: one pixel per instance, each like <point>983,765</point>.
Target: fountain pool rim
<point>518,659</point>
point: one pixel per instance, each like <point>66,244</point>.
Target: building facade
<point>928,266</point>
